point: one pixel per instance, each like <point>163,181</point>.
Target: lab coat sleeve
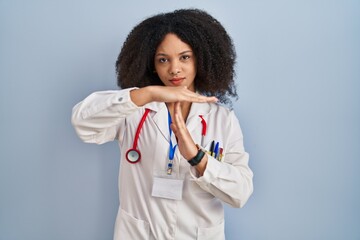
<point>230,180</point>
<point>97,118</point>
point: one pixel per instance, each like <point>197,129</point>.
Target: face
<point>175,62</point>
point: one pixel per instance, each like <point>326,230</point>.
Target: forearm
<point>97,117</point>
<point>230,180</point>
<point>142,96</point>
<point>229,183</point>
<point>200,168</point>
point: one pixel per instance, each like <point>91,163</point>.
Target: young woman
<point>182,154</point>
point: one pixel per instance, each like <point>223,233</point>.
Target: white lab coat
<point>109,115</point>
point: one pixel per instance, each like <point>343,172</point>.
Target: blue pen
<point>216,150</point>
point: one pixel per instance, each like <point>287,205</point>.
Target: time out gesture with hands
<point>178,100</point>
<point>186,144</point>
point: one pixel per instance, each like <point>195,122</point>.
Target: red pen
<point>220,154</point>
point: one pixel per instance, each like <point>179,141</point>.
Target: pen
<point>221,154</point>
<point>216,150</point>
<point>212,148</point>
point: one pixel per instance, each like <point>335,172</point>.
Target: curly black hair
<point>212,47</point>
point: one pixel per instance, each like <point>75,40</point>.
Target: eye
<point>162,60</point>
<point>185,57</point>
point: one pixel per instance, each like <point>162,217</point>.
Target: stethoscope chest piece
<point>133,155</point>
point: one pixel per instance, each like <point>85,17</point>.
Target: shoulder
<point>223,115</point>
<point>219,109</point>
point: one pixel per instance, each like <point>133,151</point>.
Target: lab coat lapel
<point>160,118</point>
<point>193,122</point>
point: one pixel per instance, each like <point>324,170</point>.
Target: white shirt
<point>109,115</point>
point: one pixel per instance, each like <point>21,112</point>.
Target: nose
<point>175,68</point>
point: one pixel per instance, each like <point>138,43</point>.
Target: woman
<point>182,153</point>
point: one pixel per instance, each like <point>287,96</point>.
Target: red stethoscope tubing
<point>133,155</point>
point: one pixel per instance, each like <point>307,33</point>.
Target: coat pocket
<point>128,227</point>
<point>211,233</point>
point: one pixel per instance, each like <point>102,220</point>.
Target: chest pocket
<point>217,147</point>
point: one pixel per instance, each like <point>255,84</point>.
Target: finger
<point>182,94</point>
<point>177,108</point>
<point>174,128</point>
<point>194,97</point>
<point>175,121</point>
<point>203,99</point>
<point>179,119</point>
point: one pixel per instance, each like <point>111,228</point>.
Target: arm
<point>96,119</point>
<point>231,180</point>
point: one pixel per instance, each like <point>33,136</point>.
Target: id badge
<point>168,186</point>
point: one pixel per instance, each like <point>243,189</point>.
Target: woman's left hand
<point>185,142</point>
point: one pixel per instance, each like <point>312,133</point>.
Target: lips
<point>177,81</point>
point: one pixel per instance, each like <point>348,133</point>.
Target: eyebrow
<point>164,54</point>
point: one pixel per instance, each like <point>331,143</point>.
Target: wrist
<point>155,93</point>
<point>198,157</point>
<point>141,96</point>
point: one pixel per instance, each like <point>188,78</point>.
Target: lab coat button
<point>120,99</point>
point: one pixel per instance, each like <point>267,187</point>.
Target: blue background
<point>298,74</point>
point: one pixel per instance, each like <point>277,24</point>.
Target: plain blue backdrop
<point>298,74</point>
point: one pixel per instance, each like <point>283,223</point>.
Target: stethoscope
<point>133,155</point>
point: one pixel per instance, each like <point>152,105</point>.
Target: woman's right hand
<point>167,94</point>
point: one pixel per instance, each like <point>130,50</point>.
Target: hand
<point>178,94</point>
<point>167,94</point>
<point>185,142</point>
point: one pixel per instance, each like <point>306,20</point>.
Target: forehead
<point>172,44</point>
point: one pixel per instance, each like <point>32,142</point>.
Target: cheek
<point>191,66</point>
<point>161,73</point>
<point>192,69</point>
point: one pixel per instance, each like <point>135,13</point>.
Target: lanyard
<point>171,148</point>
